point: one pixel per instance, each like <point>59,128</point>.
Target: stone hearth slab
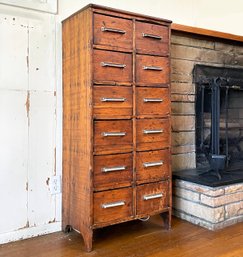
<point>209,207</point>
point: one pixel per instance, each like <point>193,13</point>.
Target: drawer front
<point>112,136</point>
<point>153,134</point>
<point>152,39</point>
<point>112,66</point>
<point>110,31</point>
<point>112,101</point>
<point>152,198</point>
<point>112,171</point>
<point>152,70</point>
<point>153,166</point>
<point>153,101</point>
<point>112,205</point>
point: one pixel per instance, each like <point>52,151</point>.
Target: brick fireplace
<point>210,207</point>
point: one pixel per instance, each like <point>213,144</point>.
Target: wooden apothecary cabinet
<point>116,119</point>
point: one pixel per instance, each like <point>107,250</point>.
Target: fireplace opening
<point>219,126</point>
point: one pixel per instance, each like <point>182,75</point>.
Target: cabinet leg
<point>166,217</point>
<point>88,240</point>
<point>67,228</point>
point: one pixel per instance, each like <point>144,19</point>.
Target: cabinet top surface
<point>113,11</point>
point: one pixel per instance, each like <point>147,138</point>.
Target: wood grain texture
<point>112,74</point>
<point>147,44</point>
<point>152,77</point>
<point>115,108</point>
<point>153,141</point>
<point>112,37</point>
<point>100,135</point>
<point>185,239</point>
<point>110,214</point>
<point>113,179</point>
<point>76,194</point>
<point>206,32</point>
<point>153,173</point>
<point>66,197</point>
<point>144,206</point>
<point>145,105</point>
<point>112,144</point>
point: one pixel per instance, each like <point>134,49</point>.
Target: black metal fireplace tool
<point>218,80</point>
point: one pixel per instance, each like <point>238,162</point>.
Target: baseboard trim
<point>29,232</point>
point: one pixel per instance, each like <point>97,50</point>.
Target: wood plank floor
<point>135,239</point>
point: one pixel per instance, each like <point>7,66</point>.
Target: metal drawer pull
<point>113,134</point>
<point>153,100</point>
<point>120,31</point>
<point>122,99</point>
<point>152,36</point>
<point>149,197</point>
<point>153,164</point>
<point>111,205</point>
<point>157,68</point>
<point>117,168</point>
<point>153,131</point>
<point>115,65</point>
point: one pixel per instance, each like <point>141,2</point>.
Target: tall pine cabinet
<point>116,119</point>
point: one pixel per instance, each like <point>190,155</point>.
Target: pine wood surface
<point>152,46</point>
<point>206,32</point>
<point>150,77</point>
<point>112,179</point>
<point>136,239</point>
<point>153,141</point>
<point>123,40</point>
<point>77,74</point>
<point>155,173</point>
<point>98,66</point>
<point>152,109</point>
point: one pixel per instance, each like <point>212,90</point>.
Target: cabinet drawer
<point>110,31</point>
<point>153,101</point>
<point>152,198</point>
<point>112,205</point>
<point>153,166</point>
<point>153,134</point>
<point>152,39</point>
<point>112,136</point>
<point>112,171</point>
<point>112,66</point>
<point>152,70</point>
<point>112,101</point>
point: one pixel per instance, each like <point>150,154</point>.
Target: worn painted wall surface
<point>40,5</point>
<point>28,123</point>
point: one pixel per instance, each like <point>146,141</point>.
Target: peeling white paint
<point>29,232</point>
<point>39,5</point>
<point>41,157</point>
<point>13,160</point>
<point>28,124</point>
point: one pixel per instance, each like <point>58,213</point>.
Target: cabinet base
<point>88,233</point>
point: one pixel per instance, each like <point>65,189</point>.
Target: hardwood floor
<point>135,239</point>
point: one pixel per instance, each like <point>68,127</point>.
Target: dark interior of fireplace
<point>219,126</point>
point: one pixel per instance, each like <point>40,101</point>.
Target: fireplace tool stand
<point>217,161</point>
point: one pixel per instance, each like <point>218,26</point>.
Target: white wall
<point>225,16</point>
<point>28,123</point>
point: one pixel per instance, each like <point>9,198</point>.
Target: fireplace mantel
<point>206,32</point>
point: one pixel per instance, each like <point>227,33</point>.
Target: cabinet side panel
<point>77,179</point>
<point>66,124</point>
